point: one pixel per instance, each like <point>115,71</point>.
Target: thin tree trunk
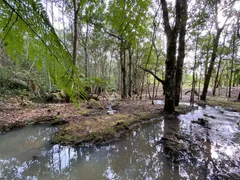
<point>218,68</point>
<point>215,49</point>
<point>155,72</point>
<point>130,72</point>
<point>207,56</point>
<point>75,33</point>
<point>193,75</point>
<point>86,52</point>
<point>156,93</point>
<point>123,70</point>
<point>210,68</point>
<point>181,51</point>
<point>232,60</point>
<point>64,29</point>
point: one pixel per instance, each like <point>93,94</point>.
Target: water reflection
<point>27,154</point>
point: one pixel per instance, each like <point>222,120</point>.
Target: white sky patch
<point>57,20</point>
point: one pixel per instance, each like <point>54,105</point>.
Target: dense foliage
<point>114,38</point>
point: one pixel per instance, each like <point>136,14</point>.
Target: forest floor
<point>91,121</point>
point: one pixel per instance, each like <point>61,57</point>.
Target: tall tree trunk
<point>172,34</point>
<point>86,52</point>
<point>216,77</point>
<point>64,29</point>
<point>130,72</point>
<point>210,68</point>
<point>75,31</point>
<point>207,55</point>
<point>155,71</point>
<point>123,70</point>
<point>170,74</point>
<point>218,69</point>
<point>181,51</point>
<point>215,49</point>
<point>232,60</point>
<point>135,78</point>
<point>193,74</point>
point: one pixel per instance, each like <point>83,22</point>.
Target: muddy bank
<point>101,130</point>
<point>13,115</point>
<point>45,120</point>
<point>111,127</point>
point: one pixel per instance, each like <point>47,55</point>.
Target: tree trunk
<point>64,30</point>
<point>216,78</point>
<point>170,74</point>
<point>232,60</point>
<point>207,56</point>
<point>218,68</point>
<point>181,51</point>
<point>75,33</point>
<point>123,70</point>
<point>210,68</point>
<point>172,34</point>
<point>215,49</point>
<point>86,52</point>
<point>193,74</point>
<point>130,72</point>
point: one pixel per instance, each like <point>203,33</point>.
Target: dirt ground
<point>90,117</point>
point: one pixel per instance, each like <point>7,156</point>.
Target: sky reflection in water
<point>27,154</point>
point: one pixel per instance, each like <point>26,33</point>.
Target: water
<point>27,154</point>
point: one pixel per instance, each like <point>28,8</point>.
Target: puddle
<point>161,102</point>
<point>212,152</point>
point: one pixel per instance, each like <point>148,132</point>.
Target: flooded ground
<point>211,151</point>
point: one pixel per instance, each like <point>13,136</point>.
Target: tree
<point>233,44</point>
<point>181,50</point>
<point>125,19</point>
<point>215,47</point>
<point>76,7</point>
<point>172,34</point>
<point>221,56</point>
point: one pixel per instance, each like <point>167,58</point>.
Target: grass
<point>224,102</point>
<point>99,129</point>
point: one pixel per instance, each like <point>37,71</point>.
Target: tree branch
<point>167,27</point>
<point>178,14</point>
<point>153,74</point>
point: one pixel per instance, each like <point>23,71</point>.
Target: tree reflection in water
<point>27,154</point>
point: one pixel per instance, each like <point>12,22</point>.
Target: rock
<point>59,122</point>
<point>201,121</point>
<point>213,117</point>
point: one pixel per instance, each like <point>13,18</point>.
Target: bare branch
<point>153,74</point>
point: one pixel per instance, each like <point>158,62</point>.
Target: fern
<point>26,27</point>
